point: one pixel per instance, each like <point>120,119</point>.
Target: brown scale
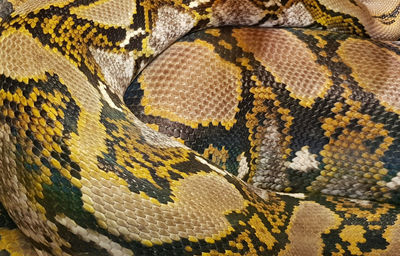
<point>213,82</point>
<point>275,52</point>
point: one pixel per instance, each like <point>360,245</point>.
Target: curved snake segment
<point>261,106</point>
<point>81,175</point>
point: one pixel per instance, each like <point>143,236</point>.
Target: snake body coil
<point>313,112</point>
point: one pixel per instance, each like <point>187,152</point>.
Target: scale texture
<point>119,135</point>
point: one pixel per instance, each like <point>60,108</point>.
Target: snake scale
<point>234,140</point>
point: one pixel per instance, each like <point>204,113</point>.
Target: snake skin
<point>319,122</point>
<point>291,110</point>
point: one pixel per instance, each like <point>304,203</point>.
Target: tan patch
<point>18,52</point>
<point>295,16</point>
<point>391,235</point>
<point>200,204</point>
<point>368,13</point>
<point>117,69</point>
<point>374,68</point>
<point>275,49</point>
<point>170,25</point>
<point>109,12</point>
<point>191,84</point>
<point>233,12</point>
<point>377,8</point>
<point>23,7</point>
<point>308,222</point>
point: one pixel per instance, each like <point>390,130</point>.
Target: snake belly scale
<point>80,174</point>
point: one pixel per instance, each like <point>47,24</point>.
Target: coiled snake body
<point>313,112</point>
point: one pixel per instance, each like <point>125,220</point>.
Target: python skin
<point>90,90</point>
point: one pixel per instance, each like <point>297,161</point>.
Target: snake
<point>199,127</point>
